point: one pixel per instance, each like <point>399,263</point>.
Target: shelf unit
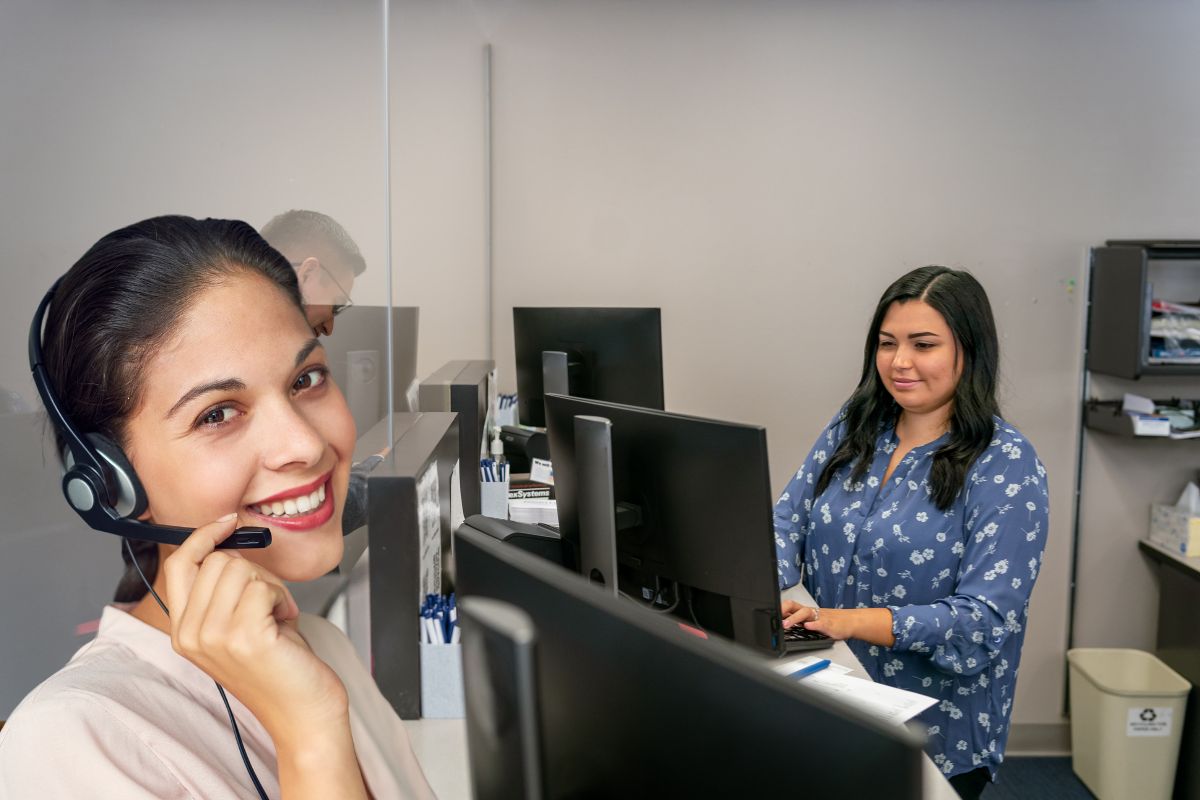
<point>1122,276</point>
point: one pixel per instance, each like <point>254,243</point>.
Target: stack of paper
<point>1144,416</point>
<point>533,510</point>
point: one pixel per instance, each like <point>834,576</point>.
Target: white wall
<point>763,170</point>
<point>438,177</point>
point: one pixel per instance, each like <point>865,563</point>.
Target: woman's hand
<point>237,622</point>
<point>873,625</point>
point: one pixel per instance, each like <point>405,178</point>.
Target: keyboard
<point>800,638</point>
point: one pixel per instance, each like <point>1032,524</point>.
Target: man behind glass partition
<point>325,258</point>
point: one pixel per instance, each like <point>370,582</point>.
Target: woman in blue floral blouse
<point>919,520</point>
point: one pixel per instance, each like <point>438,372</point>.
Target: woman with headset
<point>919,519</point>
<point>176,356</point>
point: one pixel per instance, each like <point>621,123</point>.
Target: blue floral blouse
<point>957,581</point>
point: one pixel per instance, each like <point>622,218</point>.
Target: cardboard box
<point>1175,529</point>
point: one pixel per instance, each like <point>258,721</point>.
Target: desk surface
<point>441,744</point>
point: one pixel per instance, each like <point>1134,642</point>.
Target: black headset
<point>99,482</point>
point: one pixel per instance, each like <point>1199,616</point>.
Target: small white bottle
<point>497,447</point>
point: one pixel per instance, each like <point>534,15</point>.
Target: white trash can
<point>1126,717</point>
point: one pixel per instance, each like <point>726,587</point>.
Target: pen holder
<point>441,681</point>
<point>493,499</point>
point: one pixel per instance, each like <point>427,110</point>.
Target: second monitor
<point>610,354</point>
<point>688,503</point>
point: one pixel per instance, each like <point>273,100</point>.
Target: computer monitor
<point>694,521</point>
<point>468,388</point>
<point>501,700</point>
<point>629,704</point>
<point>611,354</point>
<point>404,551</point>
<point>357,355</point>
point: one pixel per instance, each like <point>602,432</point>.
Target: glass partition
<point>115,112</point>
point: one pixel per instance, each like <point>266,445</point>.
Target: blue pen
<point>805,671</point>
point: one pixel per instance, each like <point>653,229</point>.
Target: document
<point>885,703</point>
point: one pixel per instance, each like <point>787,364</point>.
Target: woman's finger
<point>801,614</point>
<point>255,615</point>
<point>226,593</point>
<point>181,567</point>
<point>186,622</point>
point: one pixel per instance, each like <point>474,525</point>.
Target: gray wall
<point>763,170</point>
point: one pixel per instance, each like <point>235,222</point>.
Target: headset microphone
<point>99,482</point>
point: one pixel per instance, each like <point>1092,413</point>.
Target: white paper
<point>456,507</point>
<point>1136,404</point>
<point>1190,499</point>
<point>886,703</point>
<point>786,666</point>
<point>533,511</point>
<point>429,526</point>
<point>541,471</point>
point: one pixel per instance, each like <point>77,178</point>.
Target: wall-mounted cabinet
<point>1126,336</point>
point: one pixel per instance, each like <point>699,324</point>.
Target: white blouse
<point>128,717</point>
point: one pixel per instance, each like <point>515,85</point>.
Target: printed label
<point>429,522</point>
<point>541,471</point>
<point>1149,721</point>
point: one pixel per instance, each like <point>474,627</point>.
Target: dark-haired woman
<point>184,342</point>
<point>919,519</point>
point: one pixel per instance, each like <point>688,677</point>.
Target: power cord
<point>692,610</point>
<point>237,734</point>
<point>658,598</point>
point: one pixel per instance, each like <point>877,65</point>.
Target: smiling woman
<point>184,342</point>
<point>919,519</point>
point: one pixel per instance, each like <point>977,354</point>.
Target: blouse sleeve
<point>1007,514</point>
<point>795,504</point>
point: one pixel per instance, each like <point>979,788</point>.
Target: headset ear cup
<point>124,488</point>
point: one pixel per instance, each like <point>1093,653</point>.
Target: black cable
<point>237,734</point>
<point>656,599</point>
<point>692,610</point>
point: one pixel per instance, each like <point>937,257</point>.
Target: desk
<point>936,787</point>
<point>1178,645</point>
<point>441,744</point>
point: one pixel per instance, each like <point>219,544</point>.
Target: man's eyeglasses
<point>344,300</point>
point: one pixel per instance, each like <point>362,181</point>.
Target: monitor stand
<point>597,506</point>
<point>556,375</point>
<point>500,672</point>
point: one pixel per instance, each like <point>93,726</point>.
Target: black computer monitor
<point>357,353</point>
<point>694,526</point>
<point>611,354</point>
<point>466,387</point>
<point>629,704</point>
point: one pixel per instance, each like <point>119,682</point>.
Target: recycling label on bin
<point>1148,721</point>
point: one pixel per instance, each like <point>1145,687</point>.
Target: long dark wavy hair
<point>963,303</point>
<point>119,302</point>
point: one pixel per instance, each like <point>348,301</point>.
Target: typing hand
<point>872,625</point>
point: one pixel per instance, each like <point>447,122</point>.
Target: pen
<point>809,669</point>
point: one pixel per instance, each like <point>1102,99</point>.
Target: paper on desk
<point>533,510</point>
<point>885,703</point>
<point>787,666</point>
